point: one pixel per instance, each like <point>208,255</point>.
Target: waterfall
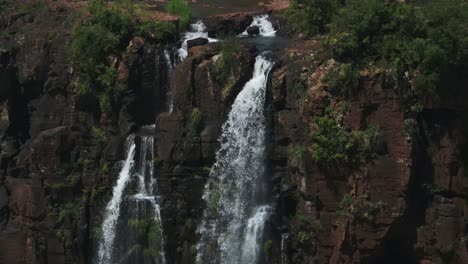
<point>234,206</point>
<point>253,234</point>
<point>132,228</point>
<point>113,207</point>
<point>197,30</point>
<point>284,240</point>
<point>264,25</point>
<point>170,68</point>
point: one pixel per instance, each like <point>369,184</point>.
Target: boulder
<point>253,30</point>
<point>196,42</point>
<point>228,24</point>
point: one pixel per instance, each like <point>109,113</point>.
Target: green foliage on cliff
<point>226,63</point>
<point>342,79</point>
<point>148,231</point>
<point>334,145</point>
<point>425,40</point>
<point>195,124</point>
<point>95,41</point>
<point>267,247</point>
<point>310,16</point>
<point>157,30</point>
<point>359,207</point>
<point>99,36</point>
<point>182,9</point>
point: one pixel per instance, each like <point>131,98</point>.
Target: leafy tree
<point>182,9</point>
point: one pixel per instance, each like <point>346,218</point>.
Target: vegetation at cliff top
<point>425,40</point>
<point>98,38</point>
<point>182,9</point>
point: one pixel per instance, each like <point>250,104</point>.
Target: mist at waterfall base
<point>231,231</point>
<point>131,230</point>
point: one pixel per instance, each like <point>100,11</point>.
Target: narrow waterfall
<point>170,64</point>
<point>232,227</point>
<point>284,241</point>
<point>264,25</point>
<point>132,229</point>
<point>106,243</point>
<point>197,30</point>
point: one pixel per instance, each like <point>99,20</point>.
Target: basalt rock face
<point>59,153</point>
<point>418,183</point>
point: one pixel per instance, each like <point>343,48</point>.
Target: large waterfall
<point>131,230</point>
<point>232,227</point>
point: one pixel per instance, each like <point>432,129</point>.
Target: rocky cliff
<point>405,203</point>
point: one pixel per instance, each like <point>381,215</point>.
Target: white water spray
<point>231,191</point>
<point>113,207</point>
<point>284,240</point>
<point>264,25</point>
<point>254,234</point>
<point>197,30</point>
<point>170,68</point>
<point>117,241</point>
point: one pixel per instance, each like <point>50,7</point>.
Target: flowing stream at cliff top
<point>197,30</point>
<point>232,227</point>
<point>131,230</point>
<point>264,25</point>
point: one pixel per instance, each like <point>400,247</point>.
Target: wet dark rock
<point>228,24</point>
<point>196,42</point>
<point>253,30</point>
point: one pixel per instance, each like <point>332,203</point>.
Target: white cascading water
<point>284,240</point>
<point>170,68</point>
<point>113,207</point>
<point>253,234</point>
<point>264,25</point>
<point>117,244</point>
<point>232,224</point>
<point>197,30</point>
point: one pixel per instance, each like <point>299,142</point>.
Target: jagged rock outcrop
<point>420,221</point>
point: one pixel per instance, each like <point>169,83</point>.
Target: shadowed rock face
<point>53,185</point>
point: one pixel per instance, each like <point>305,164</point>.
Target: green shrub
<point>90,46</point>
<point>195,124</point>
<point>426,39</point>
<point>105,168</point>
<point>303,237</point>
<point>227,62</point>
<point>310,16</point>
<point>182,9</point>
<point>213,206</point>
<point>359,207</point>
<point>95,39</point>
<point>157,30</point>
<point>343,79</point>
<point>99,135</point>
<point>334,145</point>
<point>298,152</point>
<point>267,247</point>
<point>371,141</point>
